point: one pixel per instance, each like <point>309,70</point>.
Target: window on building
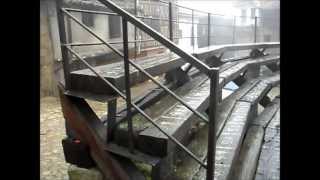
<point>88,19</point>
<point>114,26</point>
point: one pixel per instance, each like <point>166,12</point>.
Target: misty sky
<point>226,7</point>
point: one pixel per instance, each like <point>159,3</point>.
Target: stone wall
<point>47,83</point>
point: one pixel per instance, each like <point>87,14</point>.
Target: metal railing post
<point>170,22</point>
<point>208,29</point>
<point>192,21</point>
<point>135,30</point>
<point>127,82</point>
<point>214,86</point>
<point>63,40</point>
<point>234,29</point>
<point>255,29</point>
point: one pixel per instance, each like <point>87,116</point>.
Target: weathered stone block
<point>77,173</point>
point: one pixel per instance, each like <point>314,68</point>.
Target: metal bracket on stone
<point>91,131</point>
<point>177,76</point>
<point>214,61</point>
<point>257,53</point>
<point>265,101</point>
<point>241,79</point>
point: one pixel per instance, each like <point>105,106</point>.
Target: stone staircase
<point>178,112</point>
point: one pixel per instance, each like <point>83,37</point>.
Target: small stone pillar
<point>77,173</point>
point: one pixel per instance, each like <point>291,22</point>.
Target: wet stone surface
<point>52,131</point>
<point>257,91</point>
<point>117,69</point>
<point>229,141</point>
<point>269,160</point>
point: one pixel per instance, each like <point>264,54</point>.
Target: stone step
<point>257,92</point>
<point>228,142</point>
<point>154,111</point>
<point>187,167</point>
<point>273,79</point>
<point>269,159</point>
<point>177,119</point>
<point>86,81</point>
<point>246,164</point>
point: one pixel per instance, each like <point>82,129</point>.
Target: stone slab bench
<point>246,164</point>
<point>227,158</point>
<point>269,160</point>
<point>177,120</point>
<point>85,80</point>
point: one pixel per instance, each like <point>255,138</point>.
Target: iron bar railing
<point>139,109</point>
<point>158,36</point>
<point>171,20</point>
<point>127,82</point>
<point>135,65</point>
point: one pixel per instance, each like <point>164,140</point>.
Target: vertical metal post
<point>127,82</point>
<point>170,22</point>
<point>69,30</point>
<point>111,117</point>
<point>234,30</point>
<point>135,30</point>
<point>208,29</point>
<point>192,21</point>
<point>255,29</point>
<point>63,40</point>
<point>214,83</point>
